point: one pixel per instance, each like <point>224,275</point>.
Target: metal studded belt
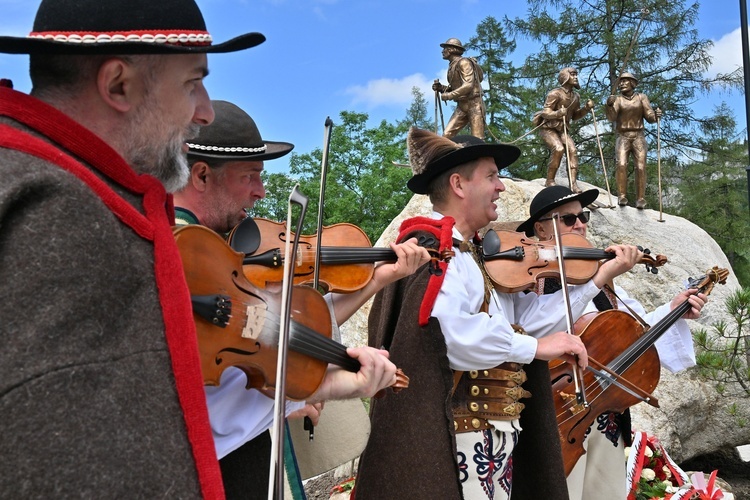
<point>484,395</point>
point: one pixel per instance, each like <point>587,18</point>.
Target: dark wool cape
<point>411,452</point>
<point>100,386</point>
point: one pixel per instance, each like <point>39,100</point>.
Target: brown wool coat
<point>88,402</point>
<point>411,452</point>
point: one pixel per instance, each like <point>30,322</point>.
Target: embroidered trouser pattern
<point>485,465</point>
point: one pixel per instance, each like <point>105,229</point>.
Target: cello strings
<point>630,355</point>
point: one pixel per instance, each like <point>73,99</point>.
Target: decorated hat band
<point>183,37</point>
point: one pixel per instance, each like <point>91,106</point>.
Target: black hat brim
<point>585,198</point>
<point>503,154</point>
<point>29,45</point>
<point>274,149</point>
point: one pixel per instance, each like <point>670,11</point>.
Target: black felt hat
<point>430,155</point>
<point>550,198</point>
<point>233,135</point>
<point>121,27</point>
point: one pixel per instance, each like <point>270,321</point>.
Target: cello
<point>624,367</point>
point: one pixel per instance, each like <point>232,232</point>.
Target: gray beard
<point>167,162</point>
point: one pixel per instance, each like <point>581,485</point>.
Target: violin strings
<point>351,255</point>
<point>586,253</point>
<point>305,340</point>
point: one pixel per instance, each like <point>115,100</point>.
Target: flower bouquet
<point>651,473</point>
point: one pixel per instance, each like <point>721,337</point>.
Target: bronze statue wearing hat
<point>561,107</point>
<point>465,87</point>
<point>628,110</point>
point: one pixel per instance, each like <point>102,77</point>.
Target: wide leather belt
<point>484,395</point>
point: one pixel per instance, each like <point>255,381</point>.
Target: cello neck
<point>645,341</point>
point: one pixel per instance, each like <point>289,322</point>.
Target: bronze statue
<point>561,107</point>
<point>465,87</point>
<point>628,110</point>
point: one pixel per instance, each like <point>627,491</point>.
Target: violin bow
<point>577,373</point>
<point>321,198</point>
<point>308,423</point>
<point>276,471</point>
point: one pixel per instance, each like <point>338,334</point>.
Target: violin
<point>514,262</point>
<point>238,323</point>
<point>346,256</point>
<point>623,370</point>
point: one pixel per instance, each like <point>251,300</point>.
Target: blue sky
<point>322,57</point>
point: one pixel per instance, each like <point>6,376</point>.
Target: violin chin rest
<point>245,237</point>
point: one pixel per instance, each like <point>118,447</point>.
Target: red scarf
<point>442,229</point>
<point>155,226</point>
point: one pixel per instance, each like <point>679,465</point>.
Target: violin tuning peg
<point>654,270</point>
<point>640,248</point>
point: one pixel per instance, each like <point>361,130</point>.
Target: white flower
<point>649,452</point>
<point>627,451</point>
<point>667,472</point>
<point>648,474</point>
<point>669,487</point>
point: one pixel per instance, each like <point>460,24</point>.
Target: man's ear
<point>119,84</point>
<point>198,175</point>
<point>539,231</point>
<point>456,183</point>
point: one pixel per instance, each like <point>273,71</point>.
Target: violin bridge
<point>255,319</point>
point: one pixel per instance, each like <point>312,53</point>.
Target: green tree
<point>602,38</point>
<point>276,203</point>
<point>712,189</point>
<point>417,115</point>
<point>507,102</point>
<point>723,352</point>
<point>363,186</point>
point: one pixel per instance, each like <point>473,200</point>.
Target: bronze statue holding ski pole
<point>561,107</point>
<point>628,110</point>
<point>465,87</point>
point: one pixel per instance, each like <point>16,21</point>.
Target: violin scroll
<point>652,262</point>
<point>402,382</point>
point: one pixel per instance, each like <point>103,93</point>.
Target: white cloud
<point>726,53</point>
<point>389,91</point>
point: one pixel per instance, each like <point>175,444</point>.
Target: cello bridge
<point>568,398</point>
<point>577,408</point>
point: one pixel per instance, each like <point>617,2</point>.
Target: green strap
<point>294,481</point>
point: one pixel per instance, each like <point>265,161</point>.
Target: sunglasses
<point>570,219</point>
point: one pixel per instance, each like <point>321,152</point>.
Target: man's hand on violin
<point>562,345</point>
<point>376,373</point>
<point>697,301</point>
<point>410,257</point>
<point>309,410</point>
<point>626,256</point>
